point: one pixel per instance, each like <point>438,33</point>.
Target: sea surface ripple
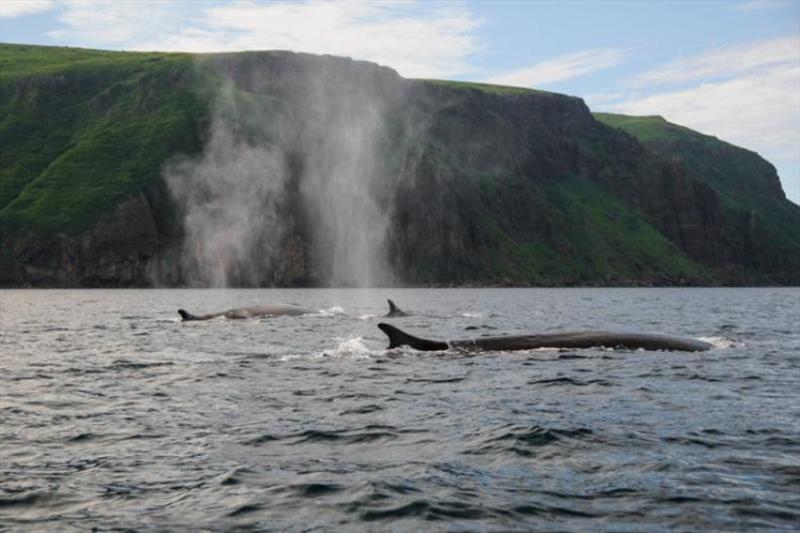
<point>116,415</point>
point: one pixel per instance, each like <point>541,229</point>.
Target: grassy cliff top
<point>22,60</point>
<point>651,129</point>
<point>484,87</point>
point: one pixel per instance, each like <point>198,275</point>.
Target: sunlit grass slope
<point>81,130</point>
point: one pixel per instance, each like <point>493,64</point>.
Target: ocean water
<point>115,415</point>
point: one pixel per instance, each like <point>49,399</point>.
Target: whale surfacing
<point>249,312</point>
<point>576,339</point>
<point>394,310</point>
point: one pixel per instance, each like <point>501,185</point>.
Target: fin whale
<point>394,310</point>
<point>576,339</point>
<point>248,312</point>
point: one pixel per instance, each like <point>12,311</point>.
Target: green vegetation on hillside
<point>754,205</point>
<point>483,87</point>
<point>23,61</point>
<point>726,167</point>
<point>652,128</point>
<point>81,130</point>
<point>600,238</point>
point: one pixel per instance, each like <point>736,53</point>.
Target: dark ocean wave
<point>524,440</point>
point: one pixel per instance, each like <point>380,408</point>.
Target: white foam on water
<point>721,342</point>
<point>336,310</point>
<point>291,357</point>
<point>354,347</point>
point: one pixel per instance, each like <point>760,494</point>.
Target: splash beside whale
<point>576,339</point>
<point>249,312</point>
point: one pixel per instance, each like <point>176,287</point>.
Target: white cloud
<point>562,68</point>
<point>18,8</point>
<point>759,111</point>
<point>114,24</point>
<point>725,62</point>
<point>419,39</point>
<point>601,98</point>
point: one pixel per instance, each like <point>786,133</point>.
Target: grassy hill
<point>81,130</point>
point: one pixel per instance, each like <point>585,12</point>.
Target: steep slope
<point>759,230</point>
<point>274,168</point>
<point>522,197</point>
<point>83,132</point>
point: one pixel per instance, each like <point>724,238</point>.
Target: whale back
<point>577,339</point>
<point>266,310</point>
<point>249,312</point>
<point>585,339</point>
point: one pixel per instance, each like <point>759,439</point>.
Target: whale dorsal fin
<point>400,338</point>
<point>186,315</point>
<point>394,310</point>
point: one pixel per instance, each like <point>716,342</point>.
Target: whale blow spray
<point>299,148</point>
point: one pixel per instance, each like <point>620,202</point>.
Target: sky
<point>728,68</point>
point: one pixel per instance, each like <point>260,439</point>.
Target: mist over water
<point>342,181</point>
<point>295,163</point>
<point>229,198</point>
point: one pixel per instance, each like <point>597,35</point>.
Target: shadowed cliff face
<point>325,171</point>
<point>121,250</point>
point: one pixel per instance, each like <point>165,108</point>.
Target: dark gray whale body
<point>249,312</point>
<point>577,339</point>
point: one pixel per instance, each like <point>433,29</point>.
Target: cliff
<point>274,168</point>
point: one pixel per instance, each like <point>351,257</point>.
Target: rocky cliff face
<point>123,249</point>
<point>289,169</point>
<point>737,219</point>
